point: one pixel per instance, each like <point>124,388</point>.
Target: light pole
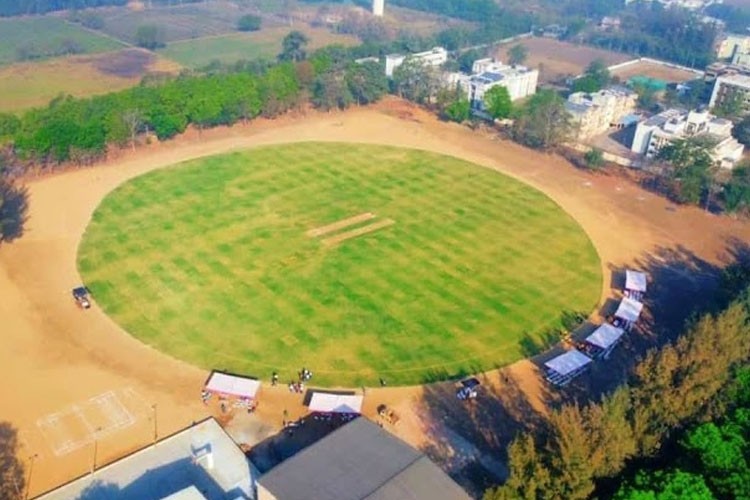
<point>31,471</point>
<point>156,428</point>
<point>96,448</point>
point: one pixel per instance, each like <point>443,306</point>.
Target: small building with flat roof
<point>199,463</point>
<point>355,462</point>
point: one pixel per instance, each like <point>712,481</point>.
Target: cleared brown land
<point>26,85</point>
<point>653,70</point>
<point>55,355</point>
<point>556,59</point>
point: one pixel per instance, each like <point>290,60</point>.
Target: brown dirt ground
<point>560,59</point>
<point>651,70</point>
<point>55,355</point>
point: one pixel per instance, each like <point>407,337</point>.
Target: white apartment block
<point>593,114</point>
<point>731,44</point>
<point>488,73</point>
<point>656,132</point>
<point>731,85</point>
<point>685,4</point>
<point>436,56</point>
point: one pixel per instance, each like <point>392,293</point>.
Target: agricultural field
<point>178,22</point>
<point>26,85</point>
<point>557,60</point>
<point>356,261</point>
<point>45,36</point>
<point>231,48</point>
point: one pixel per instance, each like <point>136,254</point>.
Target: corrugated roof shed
<point>360,461</point>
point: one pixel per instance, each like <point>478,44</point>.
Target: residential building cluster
<point>668,126</point>
<point>731,86</point>
<point>594,113</point>
<point>488,73</point>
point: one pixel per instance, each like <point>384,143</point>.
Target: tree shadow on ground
<point>469,439</point>
<point>14,206</point>
<point>12,478</point>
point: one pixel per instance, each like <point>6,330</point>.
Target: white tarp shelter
<point>605,336</point>
<point>629,310</point>
<point>635,281</point>
<point>232,385</point>
<point>324,402</point>
<point>568,363</point>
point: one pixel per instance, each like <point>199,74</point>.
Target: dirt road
<point>60,362</point>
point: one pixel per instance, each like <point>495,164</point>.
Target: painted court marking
<point>350,221</point>
<point>80,424</point>
<point>333,240</point>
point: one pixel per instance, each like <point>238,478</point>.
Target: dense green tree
<point>741,131</point>
<point>529,479</point>
<point>660,485</point>
<point>593,158</point>
<point>732,105</point>
<point>543,122</point>
<point>416,81</point>
<point>736,192</point>
<point>497,102</point>
<point>9,124</point>
<point>249,22</point>
<point>517,54</point>
<point>330,91</point>
<point>646,96</point>
<point>467,58</point>
<point>367,82</point>
<point>594,78</point>
<point>293,46</point>
<point>459,110</point>
<point>149,36</point>
<point>691,172</point>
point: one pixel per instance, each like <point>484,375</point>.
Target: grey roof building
<point>355,462</point>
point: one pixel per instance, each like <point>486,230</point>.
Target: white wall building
<point>730,44</point>
<point>436,56</point>
<point>729,85</point>
<point>595,113</point>
<point>656,132</point>
<point>488,73</point>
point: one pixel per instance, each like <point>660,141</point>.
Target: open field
<point>231,48</point>
<point>656,71</point>
<point>460,270</point>
<point>178,22</point>
<point>54,355</point>
<point>556,59</point>
<point>25,85</point>
<point>45,35</point>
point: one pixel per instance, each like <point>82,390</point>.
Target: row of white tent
<point>562,369</point>
<point>237,386</point>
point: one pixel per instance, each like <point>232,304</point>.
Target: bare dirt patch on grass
<point>556,59</point>
<point>334,240</point>
<point>329,228</point>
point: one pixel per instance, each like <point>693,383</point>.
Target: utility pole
<point>31,471</point>
<point>156,428</point>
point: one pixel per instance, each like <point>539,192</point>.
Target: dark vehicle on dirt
<point>81,296</point>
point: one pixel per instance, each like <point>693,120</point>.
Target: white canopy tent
<point>629,310</point>
<point>563,368</point>
<point>635,281</point>
<point>232,385</point>
<point>324,402</point>
<point>605,338</point>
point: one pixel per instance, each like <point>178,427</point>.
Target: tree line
<point>80,130</point>
<point>670,387</point>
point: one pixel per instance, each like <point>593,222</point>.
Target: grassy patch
<point>25,85</point>
<point>231,48</point>
<point>45,35</point>
<point>210,262</point>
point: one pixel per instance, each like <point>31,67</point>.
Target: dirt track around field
<point>56,356</point>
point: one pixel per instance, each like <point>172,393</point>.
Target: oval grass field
<point>355,261</point>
